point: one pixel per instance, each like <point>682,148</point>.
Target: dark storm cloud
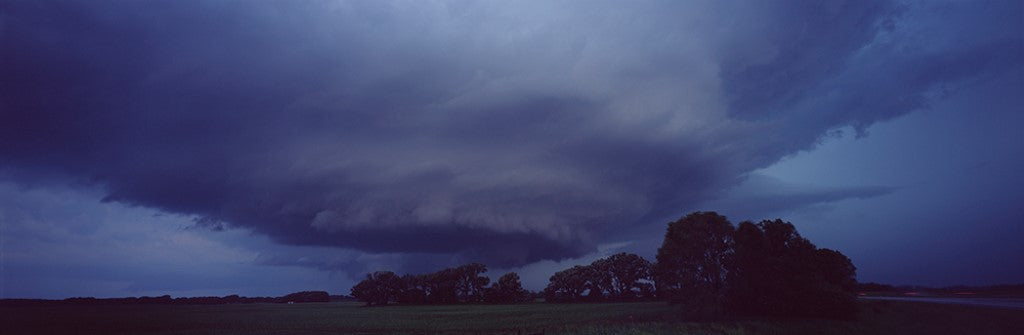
<point>507,133</point>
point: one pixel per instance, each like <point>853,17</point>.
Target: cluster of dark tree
<point>463,284</point>
<point>754,269</point>
<point>705,264</point>
<point>620,277</point>
<point>298,297</point>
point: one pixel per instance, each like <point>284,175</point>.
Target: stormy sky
<point>265,147</point>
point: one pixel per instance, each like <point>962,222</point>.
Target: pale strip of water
<point>1015,303</point>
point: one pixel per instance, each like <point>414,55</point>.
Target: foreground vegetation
<point>876,317</point>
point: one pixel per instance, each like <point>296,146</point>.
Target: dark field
<point>877,317</point>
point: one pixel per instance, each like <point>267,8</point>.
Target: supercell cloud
<point>500,132</point>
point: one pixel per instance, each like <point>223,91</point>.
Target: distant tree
<point>378,288</point>
<point>620,277</point>
<point>443,287</point>
<point>469,282</point>
<point>507,290</point>
<point>599,280</point>
<point>627,275</point>
<point>306,296</point>
<point>463,284</point>
<point>415,289</point>
<point>690,265</point>
<point>366,291</point>
<point>232,299</point>
<point>567,285</point>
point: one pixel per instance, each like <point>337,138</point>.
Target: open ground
<point>876,317</point>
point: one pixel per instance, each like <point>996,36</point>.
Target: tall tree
<point>691,263</point>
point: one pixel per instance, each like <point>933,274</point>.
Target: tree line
<point>708,266</point>
<point>297,297</point>
<point>463,284</point>
<point>620,277</point>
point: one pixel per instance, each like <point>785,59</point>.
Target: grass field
<point>877,317</point>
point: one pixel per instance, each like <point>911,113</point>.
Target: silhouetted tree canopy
<point>304,296</point>
<point>624,276</point>
<point>378,288</point>
<point>415,289</point>
<point>567,285</point>
<point>763,269</point>
<point>774,271</point>
<point>507,290</point>
<point>470,284</point>
<point>463,284</point>
<point>620,277</point>
<point>691,263</point>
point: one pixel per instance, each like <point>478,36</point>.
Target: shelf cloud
<point>502,132</point>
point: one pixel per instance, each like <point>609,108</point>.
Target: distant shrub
<point>306,296</point>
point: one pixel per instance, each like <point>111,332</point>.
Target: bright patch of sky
<point>956,171</point>
<point>57,243</point>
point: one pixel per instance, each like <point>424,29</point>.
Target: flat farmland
<point>876,317</point>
